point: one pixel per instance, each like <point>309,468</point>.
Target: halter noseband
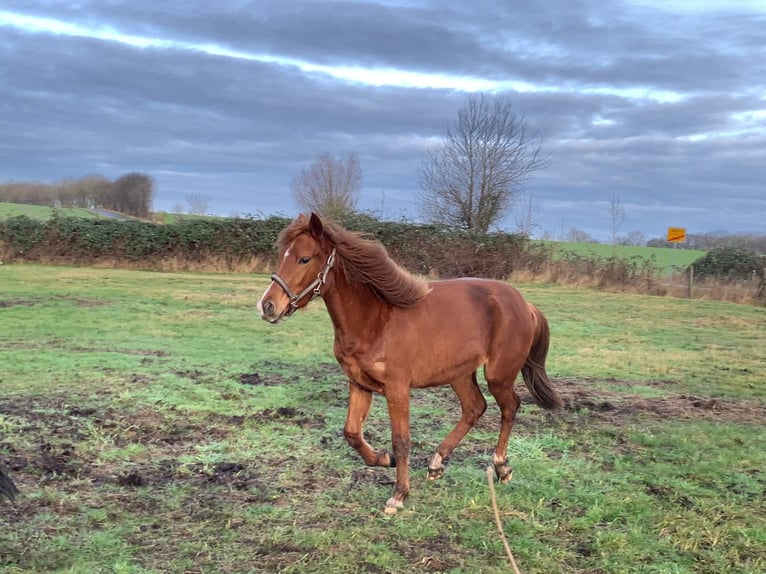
<point>313,287</point>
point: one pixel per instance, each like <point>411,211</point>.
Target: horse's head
<point>305,259</point>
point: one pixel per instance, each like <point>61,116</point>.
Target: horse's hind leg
<point>473,406</point>
<point>502,389</point>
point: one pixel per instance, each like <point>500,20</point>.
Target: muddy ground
<point>53,425</point>
<point>53,442</point>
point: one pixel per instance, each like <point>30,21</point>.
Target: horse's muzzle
<point>268,311</point>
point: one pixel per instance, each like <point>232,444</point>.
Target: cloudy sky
<point>658,102</point>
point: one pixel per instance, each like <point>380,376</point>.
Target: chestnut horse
<point>394,332</point>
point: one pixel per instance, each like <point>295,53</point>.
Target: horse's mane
<point>364,260</point>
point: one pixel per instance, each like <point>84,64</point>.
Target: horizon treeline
<point>754,242</point>
<point>132,193</point>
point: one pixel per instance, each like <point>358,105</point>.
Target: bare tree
<point>575,235</point>
<point>197,203</point>
<point>88,192</point>
<point>92,189</point>
<point>634,238</point>
<point>616,216</point>
<point>527,215</point>
<point>28,192</point>
<point>133,193</point>
<point>330,185</point>
<point>473,178</point>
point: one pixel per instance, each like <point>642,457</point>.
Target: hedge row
<point>424,249</point>
<point>87,240</point>
<point>248,245</point>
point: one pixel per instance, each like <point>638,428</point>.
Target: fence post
<point>691,281</point>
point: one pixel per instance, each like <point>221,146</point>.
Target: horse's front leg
<point>359,403</point>
<point>399,412</point>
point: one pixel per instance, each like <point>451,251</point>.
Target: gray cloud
<point>666,108</point>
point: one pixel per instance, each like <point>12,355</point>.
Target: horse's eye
<point>304,260</point>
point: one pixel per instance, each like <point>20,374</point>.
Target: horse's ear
<point>315,226</point>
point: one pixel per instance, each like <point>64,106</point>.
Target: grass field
<point>44,213</point>
<point>171,218</point>
<point>41,212</point>
<point>666,258</point>
<point>155,424</point>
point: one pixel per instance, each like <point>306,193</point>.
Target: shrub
<point>729,263</point>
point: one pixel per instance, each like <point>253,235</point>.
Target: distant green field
<point>41,212</point>
<point>171,218</point>
<point>665,257</point>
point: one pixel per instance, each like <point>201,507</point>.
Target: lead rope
<point>490,480</point>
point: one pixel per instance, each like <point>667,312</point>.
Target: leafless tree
<point>330,186</point>
<point>634,238</point>
<point>472,179</point>
<point>527,215</point>
<point>29,192</point>
<point>575,235</point>
<point>616,217</point>
<point>197,203</point>
<point>132,193</point>
<point>92,189</point>
<point>87,192</point>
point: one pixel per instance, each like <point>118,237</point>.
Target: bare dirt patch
<point>580,397</point>
<point>29,302</point>
<point>59,433</point>
<point>4,304</point>
<point>272,373</point>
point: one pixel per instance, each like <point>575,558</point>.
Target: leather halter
<point>313,287</point>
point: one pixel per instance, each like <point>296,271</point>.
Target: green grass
<point>666,258</point>
<point>42,212</point>
<point>126,423</point>
<point>171,218</point>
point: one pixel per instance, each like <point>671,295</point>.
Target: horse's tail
<point>533,371</point>
<point>7,488</point>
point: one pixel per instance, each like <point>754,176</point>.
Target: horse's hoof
<point>392,505</point>
<point>504,473</point>
<point>506,477</point>
<point>503,470</point>
<point>435,473</point>
<point>386,459</point>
